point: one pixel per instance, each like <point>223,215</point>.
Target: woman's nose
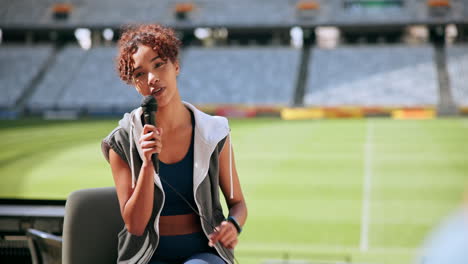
<point>152,78</point>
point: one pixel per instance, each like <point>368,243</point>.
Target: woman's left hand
<point>226,234</point>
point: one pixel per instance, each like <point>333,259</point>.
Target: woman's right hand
<point>150,142</point>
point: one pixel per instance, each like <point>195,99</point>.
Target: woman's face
<point>154,76</point>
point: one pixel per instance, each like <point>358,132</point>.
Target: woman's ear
<point>177,67</point>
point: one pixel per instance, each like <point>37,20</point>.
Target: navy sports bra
<point>180,176</point>
<point>176,249</point>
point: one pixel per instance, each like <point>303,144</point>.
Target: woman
<point>176,216</point>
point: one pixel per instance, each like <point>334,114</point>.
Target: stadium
<point>349,117</point>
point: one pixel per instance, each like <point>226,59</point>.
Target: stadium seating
<point>372,76</point>
<point>97,12</point>
<point>235,75</point>
<point>94,84</point>
<point>245,13</point>
<point>55,81</point>
<point>457,67</point>
<point>465,12</point>
<point>218,13</point>
<point>88,12</point>
<point>373,13</point>
<point>23,12</point>
<point>239,75</point>
<point>19,65</point>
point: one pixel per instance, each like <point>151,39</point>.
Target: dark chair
<point>45,248</point>
<point>92,222</point>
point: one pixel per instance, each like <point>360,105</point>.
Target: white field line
<point>365,215</point>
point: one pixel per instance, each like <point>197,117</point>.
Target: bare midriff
<point>174,225</point>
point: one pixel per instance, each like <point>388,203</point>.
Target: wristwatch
<point>233,220</point>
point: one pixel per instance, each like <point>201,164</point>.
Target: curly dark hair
<point>162,39</point>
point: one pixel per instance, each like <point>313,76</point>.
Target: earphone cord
<point>196,212</point>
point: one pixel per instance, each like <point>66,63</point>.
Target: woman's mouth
<point>158,91</point>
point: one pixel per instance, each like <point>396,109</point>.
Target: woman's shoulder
<point>118,138</point>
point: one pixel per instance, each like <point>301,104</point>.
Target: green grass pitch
<point>365,190</point>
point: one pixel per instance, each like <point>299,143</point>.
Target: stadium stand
<point>226,74</point>
<point>95,85</point>
<point>244,12</point>
<point>98,13</point>
<point>90,83</point>
<point>55,81</point>
<point>23,12</point>
<point>355,12</point>
<point>241,13</point>
<point>29,13</point>
<point>457,66</point>
<point>391,76</point>
<point>19,66</point>
<point>465,13</point>
<point>229,76</point>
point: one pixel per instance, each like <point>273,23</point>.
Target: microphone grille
<point>149,103</point>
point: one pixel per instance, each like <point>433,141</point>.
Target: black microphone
<point>149,106</point>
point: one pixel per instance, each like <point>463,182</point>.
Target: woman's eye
<point>138,75</point>
<point>159,64</point>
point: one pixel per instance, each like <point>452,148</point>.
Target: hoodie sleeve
<point>118,141</point>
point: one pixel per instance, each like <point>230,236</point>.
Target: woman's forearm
<point>138,209</point>
<point>239,211</point>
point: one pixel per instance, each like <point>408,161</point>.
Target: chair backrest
<point>92,222</point>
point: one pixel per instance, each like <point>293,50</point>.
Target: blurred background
<point>349,117</point>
